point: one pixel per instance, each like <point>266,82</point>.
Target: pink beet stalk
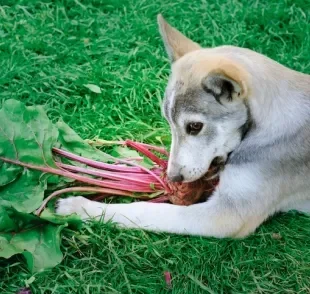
<point>144,179</point>
<point>81,189</point>
<point>168,279</point>
<point>155,148</point>
<point>143,149</point>
<point>94,163</point>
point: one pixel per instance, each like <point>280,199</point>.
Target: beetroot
<point>190,193</point>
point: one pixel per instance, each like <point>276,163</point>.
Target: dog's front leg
<point>215,218</point>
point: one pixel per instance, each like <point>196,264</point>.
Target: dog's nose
<point>177,178</point>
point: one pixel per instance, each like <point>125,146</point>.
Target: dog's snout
<point>176,178</point>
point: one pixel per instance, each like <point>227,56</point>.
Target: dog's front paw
<point>70,205</point>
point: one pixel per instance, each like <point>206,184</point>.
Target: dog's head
<point>205,105</point>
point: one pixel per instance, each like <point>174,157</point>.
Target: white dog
<point>233,103</point>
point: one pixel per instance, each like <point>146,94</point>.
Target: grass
<point>50,49</point>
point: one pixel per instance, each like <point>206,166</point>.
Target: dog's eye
<point>194,128</point>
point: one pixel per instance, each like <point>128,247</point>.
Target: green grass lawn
<point>50,49</point>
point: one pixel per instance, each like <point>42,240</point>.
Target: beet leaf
<point>28,136</point>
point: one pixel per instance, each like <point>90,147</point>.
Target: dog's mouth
<point>217,165</point>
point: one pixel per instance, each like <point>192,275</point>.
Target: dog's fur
<point>255,112</point>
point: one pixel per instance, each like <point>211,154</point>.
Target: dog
<point>232,103</point>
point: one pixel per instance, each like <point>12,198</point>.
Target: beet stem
<point>81,189</point>
<point>139,147</point>
<point>107,174</point>
<point>155,148</point>
<point>96,164</point>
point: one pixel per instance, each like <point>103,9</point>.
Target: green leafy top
<point>27,135</point>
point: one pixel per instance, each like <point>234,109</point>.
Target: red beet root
<point>190,193</point>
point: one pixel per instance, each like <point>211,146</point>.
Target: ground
<point>50,49</point>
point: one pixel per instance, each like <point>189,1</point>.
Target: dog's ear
<point>226,84</point>
<point>175,42</point>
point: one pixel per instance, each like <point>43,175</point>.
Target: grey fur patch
<point>290,148</point>
<point>218,87</point>
<point>249,124</point>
